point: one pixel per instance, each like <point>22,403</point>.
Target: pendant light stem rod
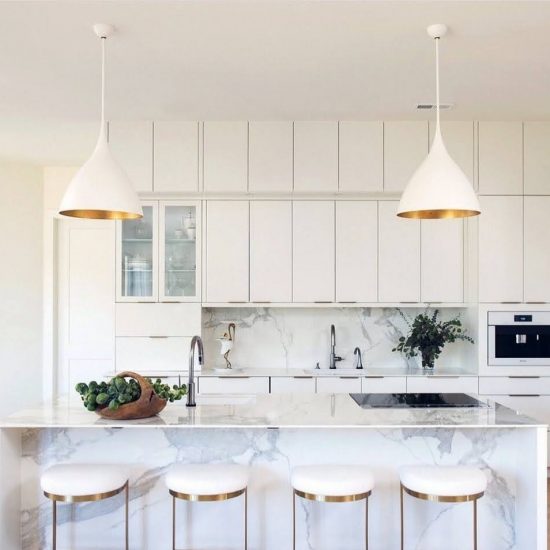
<point>103,40</point>
<point>437,82</point>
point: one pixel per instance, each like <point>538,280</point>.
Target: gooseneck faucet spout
<point>359,361</point>
<point>196,342</point>
<point>333,357</point>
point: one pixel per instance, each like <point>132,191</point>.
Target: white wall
<point>20,286</point>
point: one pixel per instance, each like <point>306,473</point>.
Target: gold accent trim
<point>101,214</point>
<point>207,498</point>
<point>442,498</point>
<point>332,498</point>
<point>85,498</point>
<point>438,214</point>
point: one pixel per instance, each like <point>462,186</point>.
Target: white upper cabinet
<point>176,156</point>
<point>361,160</point>
<point>537,251</point>
<point>398,255</point>
<point>405,147</point>
<point>271,251</point>
<point>270,156</point>
<point>356,251</point>
<point>501,249</point>
<point>500,158</point>
<point>313,251</point>
<point>442,260</point>
<point>536,151</point>
<point>227,229</point>
<point>225,156</point>
<point>316,156</point>
<point>132,146</point>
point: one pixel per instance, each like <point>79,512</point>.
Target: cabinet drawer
<point>145,355</point>
<point>514,385</point>
<point>442,384</point>
<point>292,384</point>
<point>338,384</point>
<point>158,319</point>
<point>233,384</point>
<point>384,384</point>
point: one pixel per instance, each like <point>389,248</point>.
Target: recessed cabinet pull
<point>236,302</point>
<point>374,377</point>
<point>158,337</point>
<point>349,377</point>
<point>440,377</point>
<point>347,302</point>
<point>524,377</point>
<point>524,395</point>
<point>233,377</point>
<point>323,302</point>
<point>302,377</point>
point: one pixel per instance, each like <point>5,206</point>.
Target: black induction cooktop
<point>415,400</point>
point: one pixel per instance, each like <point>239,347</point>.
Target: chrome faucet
<point>359,361</point>
<point>195,342</point>
<point>333,357</point>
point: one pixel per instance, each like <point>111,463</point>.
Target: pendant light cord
<point>103,40</point>
<point>437,82</point>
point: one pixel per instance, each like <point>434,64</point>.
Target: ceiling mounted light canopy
<point>101,189</point>
<point>438,188</point>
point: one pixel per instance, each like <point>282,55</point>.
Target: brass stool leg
<point>294,520</point>
<point>402,521</point>
<point>173,523</point>
<point>367,523</point>
<point>475,524</point>
<point>246,519</point>
<point>54,525</point>
<point>126,515</point>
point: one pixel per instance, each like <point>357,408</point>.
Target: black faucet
<point>333,357</point>
<point>359,361</point>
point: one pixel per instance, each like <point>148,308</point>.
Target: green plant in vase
<point>428,336</point>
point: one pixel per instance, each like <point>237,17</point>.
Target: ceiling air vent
<point>431,106</point>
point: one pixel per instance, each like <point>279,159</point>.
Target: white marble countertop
<point>277,411</point>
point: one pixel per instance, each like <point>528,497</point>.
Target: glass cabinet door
<point>179,251</point>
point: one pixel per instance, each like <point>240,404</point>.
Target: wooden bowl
<point>149,403</point>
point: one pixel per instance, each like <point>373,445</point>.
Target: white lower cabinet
<point>514,385</point>
<point>233,384</point>
<point>384,384</point>
<point>338,384</point>
<point>152,354</point>
<point>292,384</point>
<point>442,384</point>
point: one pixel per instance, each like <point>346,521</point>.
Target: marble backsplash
<point>300,337</point>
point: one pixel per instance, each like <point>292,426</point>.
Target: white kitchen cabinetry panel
<point>536,151</point>
<point>313,251</point>
<point>227,238</point>
<point>292,384</point>
<point>501,249</point>
<point>514,385</point>
<point>500,158</point>
<point>338,384</point>
<point>361,156</point>
<point>153,354</point>
<point>406,144</point>
<point>132,146</point>
<point>176,156</point>
<point>233,384</point>
<point>442,260</point>
<point>537,252</point>
<point>356,251</point>
<point>315,156</point>
<point>271,251</point>
<point>398,255</point>
<point>225,156</point>
<point>442,384</point>
<point>384,384</point>
<point>158,319</point>
<point>270,157</point>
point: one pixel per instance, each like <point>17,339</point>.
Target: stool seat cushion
<point>83,479</point>
<point>207,479</point>
<point>325,480</point>
<point>448,481</point>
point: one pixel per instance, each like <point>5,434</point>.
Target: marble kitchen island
<point>271,434</point>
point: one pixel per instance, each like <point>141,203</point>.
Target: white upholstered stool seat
<point>336,481</point>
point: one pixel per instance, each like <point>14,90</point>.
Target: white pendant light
<point>101,189</point>
<point>438,188</point>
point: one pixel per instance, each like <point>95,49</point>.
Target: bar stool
<point>83,483</point>
<point>207,482</point>
<point>325,483</point>
<point>443,484</point>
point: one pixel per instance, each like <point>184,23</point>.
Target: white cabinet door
<point>398,256</point>
<point>384,384</point>
<point>514,385</point>
<point>227,251</point>
<point>313,251</point>
<point>537,252</point>
<point>176,156</point>
<point>132,146</point>
<point>442,260</point>
<point>405,147</point>
<point>225,156</point>
<point>292,384</point>
<point>338,384</point>
<point>536,154</point>
<point>500,158</point>
<point>442,384</point>
<point>233,384</point>
<point>356,251</point>
<point>315,156</point>
<point>151,354</point>
<point>501,249</point>
<point>271,251</point>
<point>270,156</point>
<point>361,156</point>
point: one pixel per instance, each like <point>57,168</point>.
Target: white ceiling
<point>203,59</point>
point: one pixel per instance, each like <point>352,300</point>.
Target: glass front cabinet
<point>158,256</point>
